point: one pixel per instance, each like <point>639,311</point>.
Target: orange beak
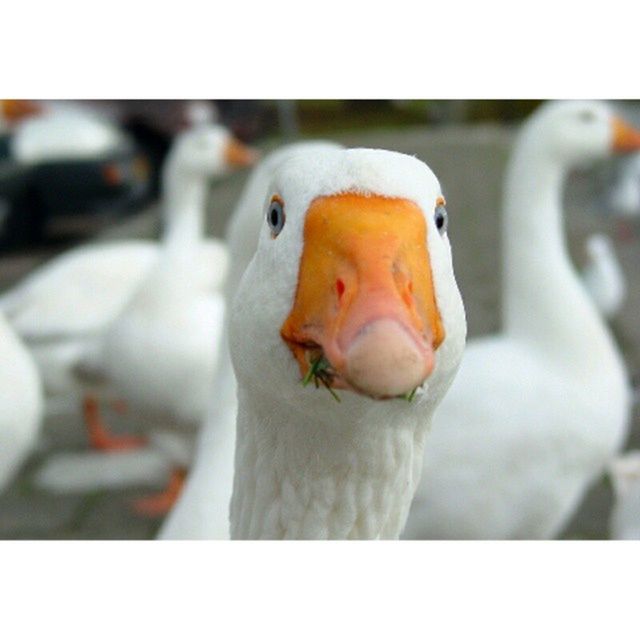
<point>626,138</point>
<point>365,298</point>
<point>237,154</point>
<point>15,110</point>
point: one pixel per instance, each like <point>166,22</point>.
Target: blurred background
<point>73,172</point>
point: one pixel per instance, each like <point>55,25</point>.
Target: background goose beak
<point>237,154</point>
<point>626,138</point>
<point>15,110</point>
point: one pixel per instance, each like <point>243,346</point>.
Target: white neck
<point>184,202</point>
<point>545,301</point>
<point>297,478</point>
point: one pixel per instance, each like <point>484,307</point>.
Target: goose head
<point>576,132</point>
<point>205,151</point>
<point>351,285</point>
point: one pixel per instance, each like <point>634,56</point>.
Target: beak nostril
<point>407,295</point>
<point>339,288</point>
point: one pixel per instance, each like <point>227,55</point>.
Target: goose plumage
<point>357,258</point>
<point>537,410</point>
<point>98,280</point>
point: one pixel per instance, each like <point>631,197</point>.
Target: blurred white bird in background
<point>538,410</point>
<point>61,308</point>
<point>100,280</point>
<point>159,354</point>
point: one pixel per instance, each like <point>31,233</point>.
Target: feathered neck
<point>297,478</point>
<point>184,201</point>
<point>545,302</point>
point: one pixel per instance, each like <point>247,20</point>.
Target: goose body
<point>537,410</point>
<point>349,239</point>
<point>160,352</point>
<point>202,511</point>
<point>20,403</point>
<point>96,282</point>
<point>62,310</point>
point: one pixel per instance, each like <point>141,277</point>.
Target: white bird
<point>20,404</point>
<point>603,276</point>
<point>62,308</point>
<point>159,355</point>
<point>536,411</point>
<point>624,523</point>
<point>351,287</point>
<point>202,511</point>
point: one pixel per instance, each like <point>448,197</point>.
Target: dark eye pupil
<point>441,218</point>
<point>275,218</point>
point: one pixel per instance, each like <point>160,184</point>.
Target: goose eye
<point>441,219</point>
<point>275,217</point>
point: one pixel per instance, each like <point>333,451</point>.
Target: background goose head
<point>353,265</point>
<point>578,131</point>
<point>207,150</point>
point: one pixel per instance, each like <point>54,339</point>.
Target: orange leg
<point>161,503</point>
<point>99,436</point>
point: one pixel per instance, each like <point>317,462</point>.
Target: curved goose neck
<point>545,301</point>
<point>300,479</point>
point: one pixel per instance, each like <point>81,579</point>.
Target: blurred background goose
<point>97,281</point>
<point>538,410</point>
<point>159,355</point>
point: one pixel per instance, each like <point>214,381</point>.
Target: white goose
<point>62,308</point>
<point>20,403</point>
<point>352,273</point>
<point>538,410</point>
<point>202,511</point>
<point>160,353</point>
